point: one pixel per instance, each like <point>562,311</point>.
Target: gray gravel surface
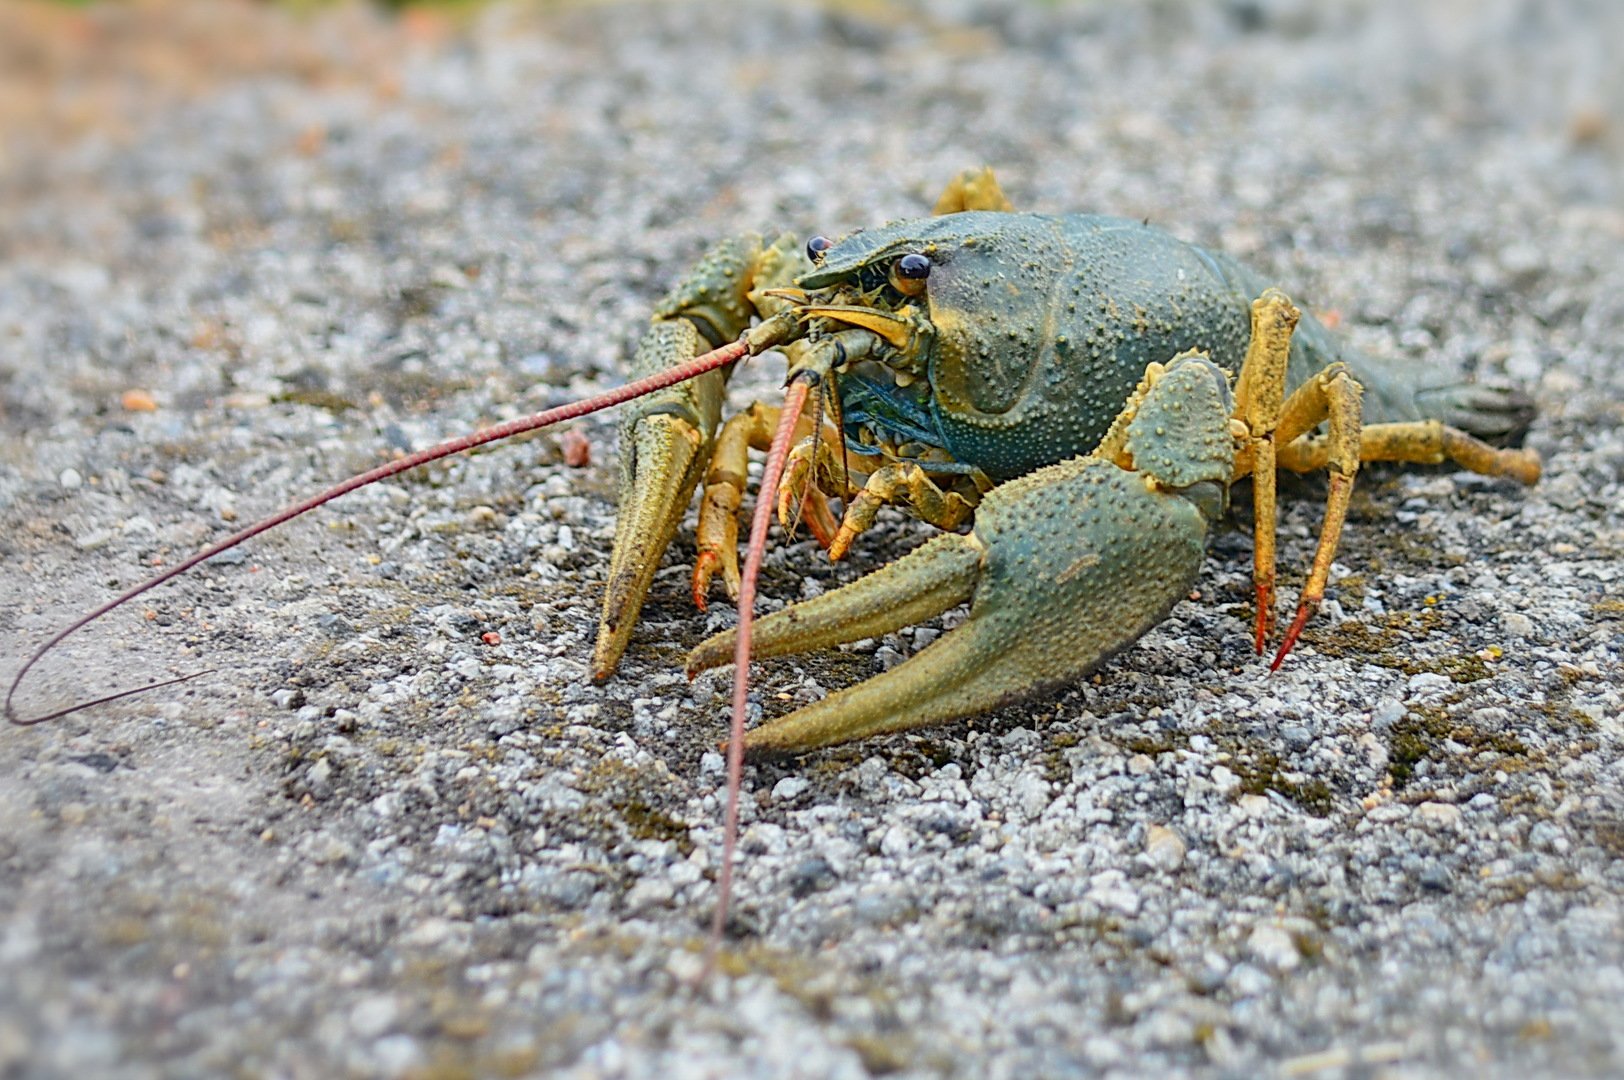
<point>373,844</point>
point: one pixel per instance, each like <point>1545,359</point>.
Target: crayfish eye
<point>908,274</point>
<point>815,248</point>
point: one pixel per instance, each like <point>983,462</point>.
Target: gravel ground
<point>371,844</point>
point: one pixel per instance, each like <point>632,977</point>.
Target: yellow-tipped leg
<point>813,508</point>
<point>972,189</point>
<point>1274,426</point>
<point>1330,396</point>
<point>1347,444</point>
<point>808,474</point>
<point>900,484</point>
<point>1419,442</point>
<point>718,536</point>
<point>1264,516</point>
<point>1259,398</point>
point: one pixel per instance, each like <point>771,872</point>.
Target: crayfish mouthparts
<point>811,361</point>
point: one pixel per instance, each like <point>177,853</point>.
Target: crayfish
<point>1080,391</point>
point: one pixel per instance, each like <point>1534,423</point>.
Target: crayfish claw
<point>1064,568</point>
<point>665,445</point>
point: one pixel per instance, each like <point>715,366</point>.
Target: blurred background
<point>618,139</point>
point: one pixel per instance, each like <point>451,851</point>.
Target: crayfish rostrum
<point>1080,391</point>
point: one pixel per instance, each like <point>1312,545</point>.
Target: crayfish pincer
<point>1064,567</point>
<point>1080,392</point>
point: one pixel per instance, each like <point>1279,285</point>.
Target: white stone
<point>1440,815</point>
<point>372,1016</point>
<point>1273,947</point>
<point>898,841</point>
<point>1517,625</point>
<point>790,787</point>
<point>1164,848</point>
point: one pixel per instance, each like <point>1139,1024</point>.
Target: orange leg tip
<point>840,545</point>
<point>820,520</point>
<point>704,569</point>
<point>1304,612</point>
<point>1265,615</point>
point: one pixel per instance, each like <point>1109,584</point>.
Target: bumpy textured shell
<point>1045,324</point>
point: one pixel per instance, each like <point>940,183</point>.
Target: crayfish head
<point>987,285</point>
<point>880,282</point>
<point>840,327</point>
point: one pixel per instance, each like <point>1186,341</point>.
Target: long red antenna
<point>766,499</point>
<point>647,385</point>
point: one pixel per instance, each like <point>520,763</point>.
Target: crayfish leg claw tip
<point>1290,640</point>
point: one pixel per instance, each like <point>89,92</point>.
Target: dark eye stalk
<point>908,274</point>
<point>815,248</point>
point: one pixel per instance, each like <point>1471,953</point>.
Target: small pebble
<point>1273,947</point>
<point>372,1016</point>
<point>1164,848</point>
<point>577,448</point>
<point>1440,815</point>
<point>789,788</point>
<point>135,400</point>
